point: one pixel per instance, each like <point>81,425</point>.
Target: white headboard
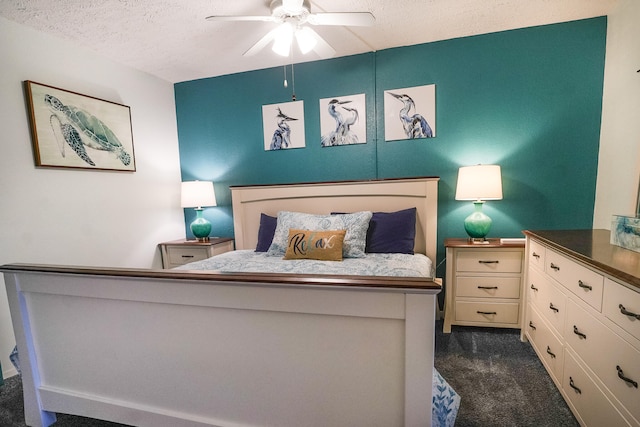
<point>350,196</point>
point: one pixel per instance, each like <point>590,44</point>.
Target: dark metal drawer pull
<point>187,256</point>
<point>553,308</point>
<point>573,386</point>
<point>487,287</point>
<point>549,351</point>
<point>584,285</point>
<point>488,262</point>
<point>535,255</point>
<point>628,313</point>
<point>578,333</point>
<point>554,267</point>
<point>531,325</point>
<point>486,312</point>
<point>534,288</point>
<point>625,379</point>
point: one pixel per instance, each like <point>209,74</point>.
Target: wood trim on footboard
<point>145,347</point>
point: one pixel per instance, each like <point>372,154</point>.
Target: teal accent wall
<point>529,100</point>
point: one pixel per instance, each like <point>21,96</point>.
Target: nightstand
<point>484,283</point>
<point>179,252</point>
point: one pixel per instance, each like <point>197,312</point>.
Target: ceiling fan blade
<point>262,43</point>
<point>240,18</point>
<point>347,19</point>
<point>322,48</point>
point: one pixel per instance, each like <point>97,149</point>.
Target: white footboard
<point>184,349</point>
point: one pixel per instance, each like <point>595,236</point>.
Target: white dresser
<point>583,320</point>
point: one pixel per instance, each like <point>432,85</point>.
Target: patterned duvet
<point>398,265</point>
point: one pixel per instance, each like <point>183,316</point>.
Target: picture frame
<point>410,113</point>
<point>343,120</point>
<point>76,131</point>
<point>283,126</point>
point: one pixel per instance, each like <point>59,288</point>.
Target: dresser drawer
<point>585,283</point>
<point>469,311</point>
<point>537,288</point>
<point>548,346</point>
<point>488,287</point>
<point>179,255</point>
<point>487,261</point>
<point>604,352</point>
<point>619,299</point>
<point>536,255</point>
<point>585,396</point>
<point>554,307</point>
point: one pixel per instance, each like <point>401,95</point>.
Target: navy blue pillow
<point>265,232</point>
<point>391,232</point>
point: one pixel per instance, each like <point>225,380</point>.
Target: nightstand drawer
<point>488,287</point>
<point>487,261</point>
<point>182,255</point>
<point>467,311</point>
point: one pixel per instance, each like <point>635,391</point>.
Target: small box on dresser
<point>483,283</point>
<point>582,304</point>
<point>180,252</point>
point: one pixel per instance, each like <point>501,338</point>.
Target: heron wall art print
<point>283,126</point>
<point>410,113</point>
<point>343,121</point>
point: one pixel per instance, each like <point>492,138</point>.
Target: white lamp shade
<point>479,182</point>
<point>196,194</point>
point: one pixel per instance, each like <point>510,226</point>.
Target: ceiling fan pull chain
<point>293,81</point>
<point>285,76</point>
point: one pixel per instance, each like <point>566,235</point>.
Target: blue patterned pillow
<point>356,225</point>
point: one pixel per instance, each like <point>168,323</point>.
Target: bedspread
<point>395,265</point>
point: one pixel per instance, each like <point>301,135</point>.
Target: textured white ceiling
<point>172,40</point>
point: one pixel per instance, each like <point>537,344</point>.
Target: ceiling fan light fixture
<point>283,39</point>
<point>306,39</point>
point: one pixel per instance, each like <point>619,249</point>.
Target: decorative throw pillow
<point>355,238</point>
<point>392,232</point>
<point>321,245</point>
<point>265,232</point>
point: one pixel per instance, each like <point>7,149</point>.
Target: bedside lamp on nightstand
<point>479,183</point>
<point>196,194</point>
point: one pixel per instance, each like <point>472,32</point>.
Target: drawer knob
<point>625,379</point>
<point>535,255</point>
<point>584,285</point>
<point>486,312</point>
<point>554,267</point>
<point>554,308</point>
<point>550,353</point>
<point>487,287</point>
<point>628,313</point>
<point>578,333</point>
<point>531,325</point>
<point>573,386</point>
<point>534,288</point>
<point>488,262</point>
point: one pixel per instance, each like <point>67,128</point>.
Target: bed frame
<point>185,348</point>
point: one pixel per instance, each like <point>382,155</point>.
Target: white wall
<point>82,217</point>
<point>619,157</point>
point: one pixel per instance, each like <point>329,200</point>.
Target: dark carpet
<point>500,381</point>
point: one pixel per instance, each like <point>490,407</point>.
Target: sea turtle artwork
<point>81,129</point>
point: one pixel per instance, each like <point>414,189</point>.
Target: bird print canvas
<point>343,120</point>
<point>283,126</point>
<point>410,113</point>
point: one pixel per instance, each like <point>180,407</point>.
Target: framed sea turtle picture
<point>71,130</point>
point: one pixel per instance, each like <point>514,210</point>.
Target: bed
<point>225,348</point>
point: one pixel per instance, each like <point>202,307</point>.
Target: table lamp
<point>478,183</point>
<point>196,194</point>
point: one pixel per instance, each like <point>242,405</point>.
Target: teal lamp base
<point>200,227</point>
<point>478,224</point>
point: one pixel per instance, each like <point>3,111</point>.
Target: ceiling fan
<point>293,15</point>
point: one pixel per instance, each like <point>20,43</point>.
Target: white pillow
<point>355,239</point>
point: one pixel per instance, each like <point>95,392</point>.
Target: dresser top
<point>593,247</point>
